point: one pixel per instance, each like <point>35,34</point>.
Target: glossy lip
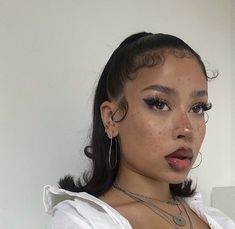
<point>181,153</point>
<point>181,159</point>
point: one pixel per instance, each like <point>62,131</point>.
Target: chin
<point>177,179</point>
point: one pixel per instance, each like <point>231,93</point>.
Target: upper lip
<point>181,152</point>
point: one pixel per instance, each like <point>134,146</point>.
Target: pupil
<point>160,105</point>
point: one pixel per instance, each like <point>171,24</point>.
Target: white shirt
<point>71,210</point>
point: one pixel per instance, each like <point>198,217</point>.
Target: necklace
<point>172,201</point>
<point>176,221</point>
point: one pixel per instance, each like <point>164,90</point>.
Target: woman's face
<point>163,130</point>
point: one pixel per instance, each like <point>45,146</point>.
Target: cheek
<point>199,134</point>
<point>139,133</point>
<point>203,133</point>
<point>201,130</point>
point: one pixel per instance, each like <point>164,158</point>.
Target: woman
<point>148,126</point>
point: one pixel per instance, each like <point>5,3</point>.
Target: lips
<point>180,159</point>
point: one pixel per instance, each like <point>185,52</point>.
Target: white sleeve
<point>214,217</point>
<point>65,217</point>
<point>70,210</point>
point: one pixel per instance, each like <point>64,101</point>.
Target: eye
<point>157,104</point>
<point>200,108</point>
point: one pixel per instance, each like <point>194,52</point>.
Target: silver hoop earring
<point>207,117</point>
<point>112,166</point>
<point>199,162</point>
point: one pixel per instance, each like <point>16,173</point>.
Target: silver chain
<point>173,221</point>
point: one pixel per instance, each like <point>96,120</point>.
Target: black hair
<point>135,52</point>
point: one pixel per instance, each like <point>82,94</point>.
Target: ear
<point>107,110</point>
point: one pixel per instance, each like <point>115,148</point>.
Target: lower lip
<point>179,164</point>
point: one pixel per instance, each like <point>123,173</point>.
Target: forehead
<point>181,73</point>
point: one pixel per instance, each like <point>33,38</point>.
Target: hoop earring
<point>207,117</point>
<point>112,166</point>
<point>199,162</point>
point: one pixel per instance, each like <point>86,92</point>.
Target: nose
<point>183,128</point>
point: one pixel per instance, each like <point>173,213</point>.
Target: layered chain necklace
<point>176,221</point>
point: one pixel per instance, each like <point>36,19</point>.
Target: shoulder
<point>70,210</point>
<point>214,217</point>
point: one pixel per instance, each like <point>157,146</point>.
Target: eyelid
<point>155,98</point>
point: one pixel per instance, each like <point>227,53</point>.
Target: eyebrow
<point>160,88</point>
<point>172,91</point>
<point>198,94</point>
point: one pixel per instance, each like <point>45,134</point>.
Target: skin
<point>149,133</point>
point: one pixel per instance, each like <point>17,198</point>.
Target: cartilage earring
<point>199,162</point>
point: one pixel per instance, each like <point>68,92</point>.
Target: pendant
<point>179,220</point>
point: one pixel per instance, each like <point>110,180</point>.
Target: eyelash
<point>159,104</point>
<point>154,103</point>
<point>203,106</point>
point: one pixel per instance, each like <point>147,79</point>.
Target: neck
<point>140,184</point>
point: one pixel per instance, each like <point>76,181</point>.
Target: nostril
<point>181,136</point>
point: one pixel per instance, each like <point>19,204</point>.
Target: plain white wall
<point>51,54</point>
<point>232,86</point>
